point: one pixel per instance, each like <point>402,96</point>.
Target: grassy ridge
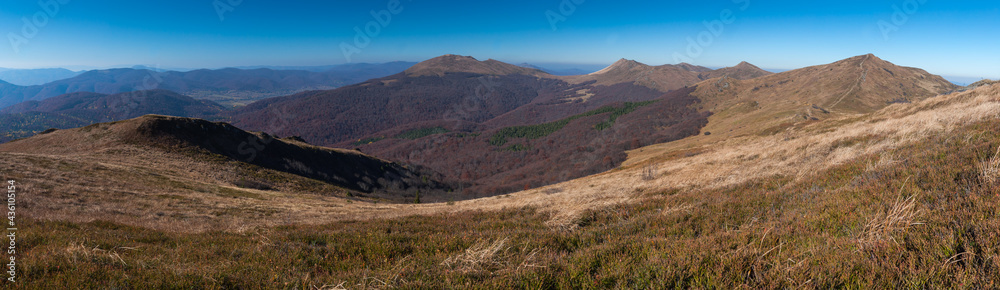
<point>541,130</point>
<point>922,216</point>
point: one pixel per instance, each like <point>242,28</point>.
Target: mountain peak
<point>621,64</point>
<point>863,57</point>
<point>450,63</point>
<point>746,65</point>
<point>743,71</point>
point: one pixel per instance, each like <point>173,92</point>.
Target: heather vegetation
<point>541,130</point>
<point>917,216</point>
<point>417,118</point>
<point>421,132</point>
<point>518,157</point>
<point>360,110</point>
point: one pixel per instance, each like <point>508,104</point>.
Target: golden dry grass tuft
<point>989,169</point>
<point>491,257</point>
<point>882,227</point>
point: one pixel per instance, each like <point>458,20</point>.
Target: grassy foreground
<point>921,216</point>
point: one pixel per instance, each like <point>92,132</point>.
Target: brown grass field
<point>905,197</point>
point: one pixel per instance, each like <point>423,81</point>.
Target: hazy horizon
<point>231,33</point>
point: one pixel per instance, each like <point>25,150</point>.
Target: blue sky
<point>940,36</point>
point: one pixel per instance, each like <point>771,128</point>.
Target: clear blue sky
<point>941,36</point>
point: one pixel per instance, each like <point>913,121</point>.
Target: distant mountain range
<point>230,87</point>
<point>31,77</point>
<point>388,68</point>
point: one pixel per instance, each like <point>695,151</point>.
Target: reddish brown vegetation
<point>472,107</point>
<point>576,150</point>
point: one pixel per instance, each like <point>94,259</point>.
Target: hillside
<point>859,84</point>
<point>194,175</point>
<point>441,105</point>
<point>199,138</point>
<point>507,159</point>
<point>775,103</point>
<point>230,86</point>
<point>555,122</point>
<point>905,194</point>
<point>80,109</point>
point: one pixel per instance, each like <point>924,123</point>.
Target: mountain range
<point>464,170</point>
<point>230,86</point>
<point>31,77</point>
<point>509,125</point>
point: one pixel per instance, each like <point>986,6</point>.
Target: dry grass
<point>79,253</point>
<point>846,226</point>
<point>884,160</point>
<point>989,169</point>
<point>882,227</point>
<point>491,257</point>
<point>67,188</point>
<point>811,208</point>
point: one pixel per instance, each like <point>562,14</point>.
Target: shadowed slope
<point>206,141</point>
